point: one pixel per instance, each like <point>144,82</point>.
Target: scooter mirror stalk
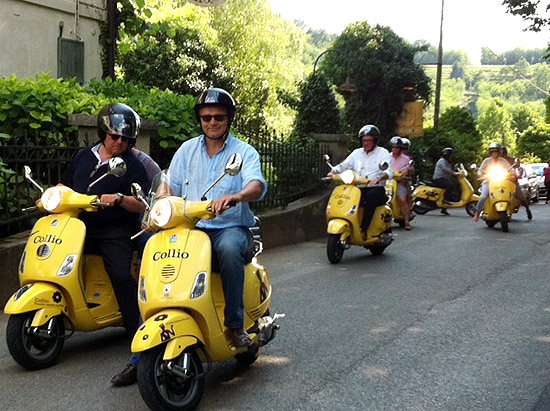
<point>28,176</point>
<point>232,167</point>
<point>138,193</point>
<point>326,157</point>
<point>116,167</point>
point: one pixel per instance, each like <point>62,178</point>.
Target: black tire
<point>377,249</point>
<point>335,251</point>
<point>250,356</point>
<point>166,391</point>
<point>401,223</point>
<point>418,209</point>
<point>490,224</point>
<point>34,352</point>
<point>471,208</point>
<point>504,221</point>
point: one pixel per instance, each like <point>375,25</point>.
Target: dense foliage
<point>318,110</point>
<point>380,64</point>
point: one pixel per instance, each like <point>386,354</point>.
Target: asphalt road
<point>453,316</point>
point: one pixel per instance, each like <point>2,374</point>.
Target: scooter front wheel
<point>471,208</point>
<point>175,385</point>
<point>335,250</point>
<point>420,209</point>
<point>504,221</point>
<point>34,348</point>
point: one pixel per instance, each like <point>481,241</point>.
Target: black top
<point>112,221</point>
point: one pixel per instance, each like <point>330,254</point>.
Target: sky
<point>467,24</point>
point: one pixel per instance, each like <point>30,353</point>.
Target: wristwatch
<point>120,198</point>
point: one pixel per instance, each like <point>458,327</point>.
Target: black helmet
<point>447,152</point>
<point>369,130</point>
<point>118,119</point>
<point>216,97</point>
<point>396,141</point>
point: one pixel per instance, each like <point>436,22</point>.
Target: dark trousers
<point>444,183</point>
<point>371,197</point>
<point>117,256</point>
<point>547,185</point>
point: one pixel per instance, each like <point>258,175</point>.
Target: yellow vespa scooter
<point>61,288</point>
<point>502,201</point>
<point>427,198</point>
<point>182,302</point>
<point>345,214</point>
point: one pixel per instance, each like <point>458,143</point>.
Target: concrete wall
<point>29,30</point>
<point>301,220</point>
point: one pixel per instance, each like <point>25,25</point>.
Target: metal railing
<point>47,156</point>
<point>291,170</point>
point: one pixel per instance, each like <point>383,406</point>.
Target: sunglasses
<point>218,117</point>
<point>115,138</point>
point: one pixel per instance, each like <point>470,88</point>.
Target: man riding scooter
<point>494,159</point>
<point>519,194</point>
<point>366,161</point>
<point>443,175</point>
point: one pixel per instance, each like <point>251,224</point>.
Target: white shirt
<point>366,164</point>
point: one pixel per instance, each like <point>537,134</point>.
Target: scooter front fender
<point>172,326</point>
<point>338,226</point>
<point>501,206</point>
<point>44,298</point>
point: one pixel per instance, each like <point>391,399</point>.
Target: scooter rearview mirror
<point>117,167</point>
<point>383,165</point>
<point>136,190</point>
<point>234,164</point>
<point>28,176</point>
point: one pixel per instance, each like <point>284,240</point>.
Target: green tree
<point>524,116</point>
<point>318,110</point>
<point>535,141</point>
<point>495,124</point>
<point>530,11</point>
<point>380,64</point>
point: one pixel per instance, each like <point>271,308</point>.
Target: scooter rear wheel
<point>250,356</point>
<point>419,209</point>
<point>37,348</point>
<point>335,251</point>
<point>162,389</point>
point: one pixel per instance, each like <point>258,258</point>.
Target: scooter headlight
<point>142,289</point>
<point>67,266</point>
<point>161,212</point>
<point>347,177</point>
<point>200,285</point>
<point>496,173</point>
<point>51,198</point>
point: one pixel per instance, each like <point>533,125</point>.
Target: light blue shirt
<point>192,162</point>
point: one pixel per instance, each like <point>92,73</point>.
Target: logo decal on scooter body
<point>165,334</point>
<point>47,239</point>
<point>173,238</point>
<point>171,253</point>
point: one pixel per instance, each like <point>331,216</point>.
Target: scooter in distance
<point>502,201</point>
<point>427,198</point>
<point>182,303</point>
<point>345,214</point>
<point>61,287</point>
<point>395,205</point>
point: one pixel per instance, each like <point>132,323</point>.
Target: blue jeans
<point>229,251</point>
<point>484,196</point>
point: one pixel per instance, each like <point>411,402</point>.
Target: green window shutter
<point>70,59</point>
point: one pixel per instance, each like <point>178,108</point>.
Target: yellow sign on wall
<point>410,122</point>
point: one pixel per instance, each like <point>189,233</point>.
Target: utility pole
<point>439,71</point>
<point>112,35</point>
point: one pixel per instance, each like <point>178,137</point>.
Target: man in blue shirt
<point>200,161</point>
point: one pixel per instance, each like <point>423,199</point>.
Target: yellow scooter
<point>182,302</point>
<point>502,201</point>
<point>427,198</point>
<point>61,288</point>
<point>395,205</point>
<point>345,214</point>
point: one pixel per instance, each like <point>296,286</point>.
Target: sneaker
<point>127,376</point>
<point>529,214</point>
<point>239,337</point>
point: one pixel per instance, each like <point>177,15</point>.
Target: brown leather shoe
<point>127,376</point>
<point>239,337</point>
